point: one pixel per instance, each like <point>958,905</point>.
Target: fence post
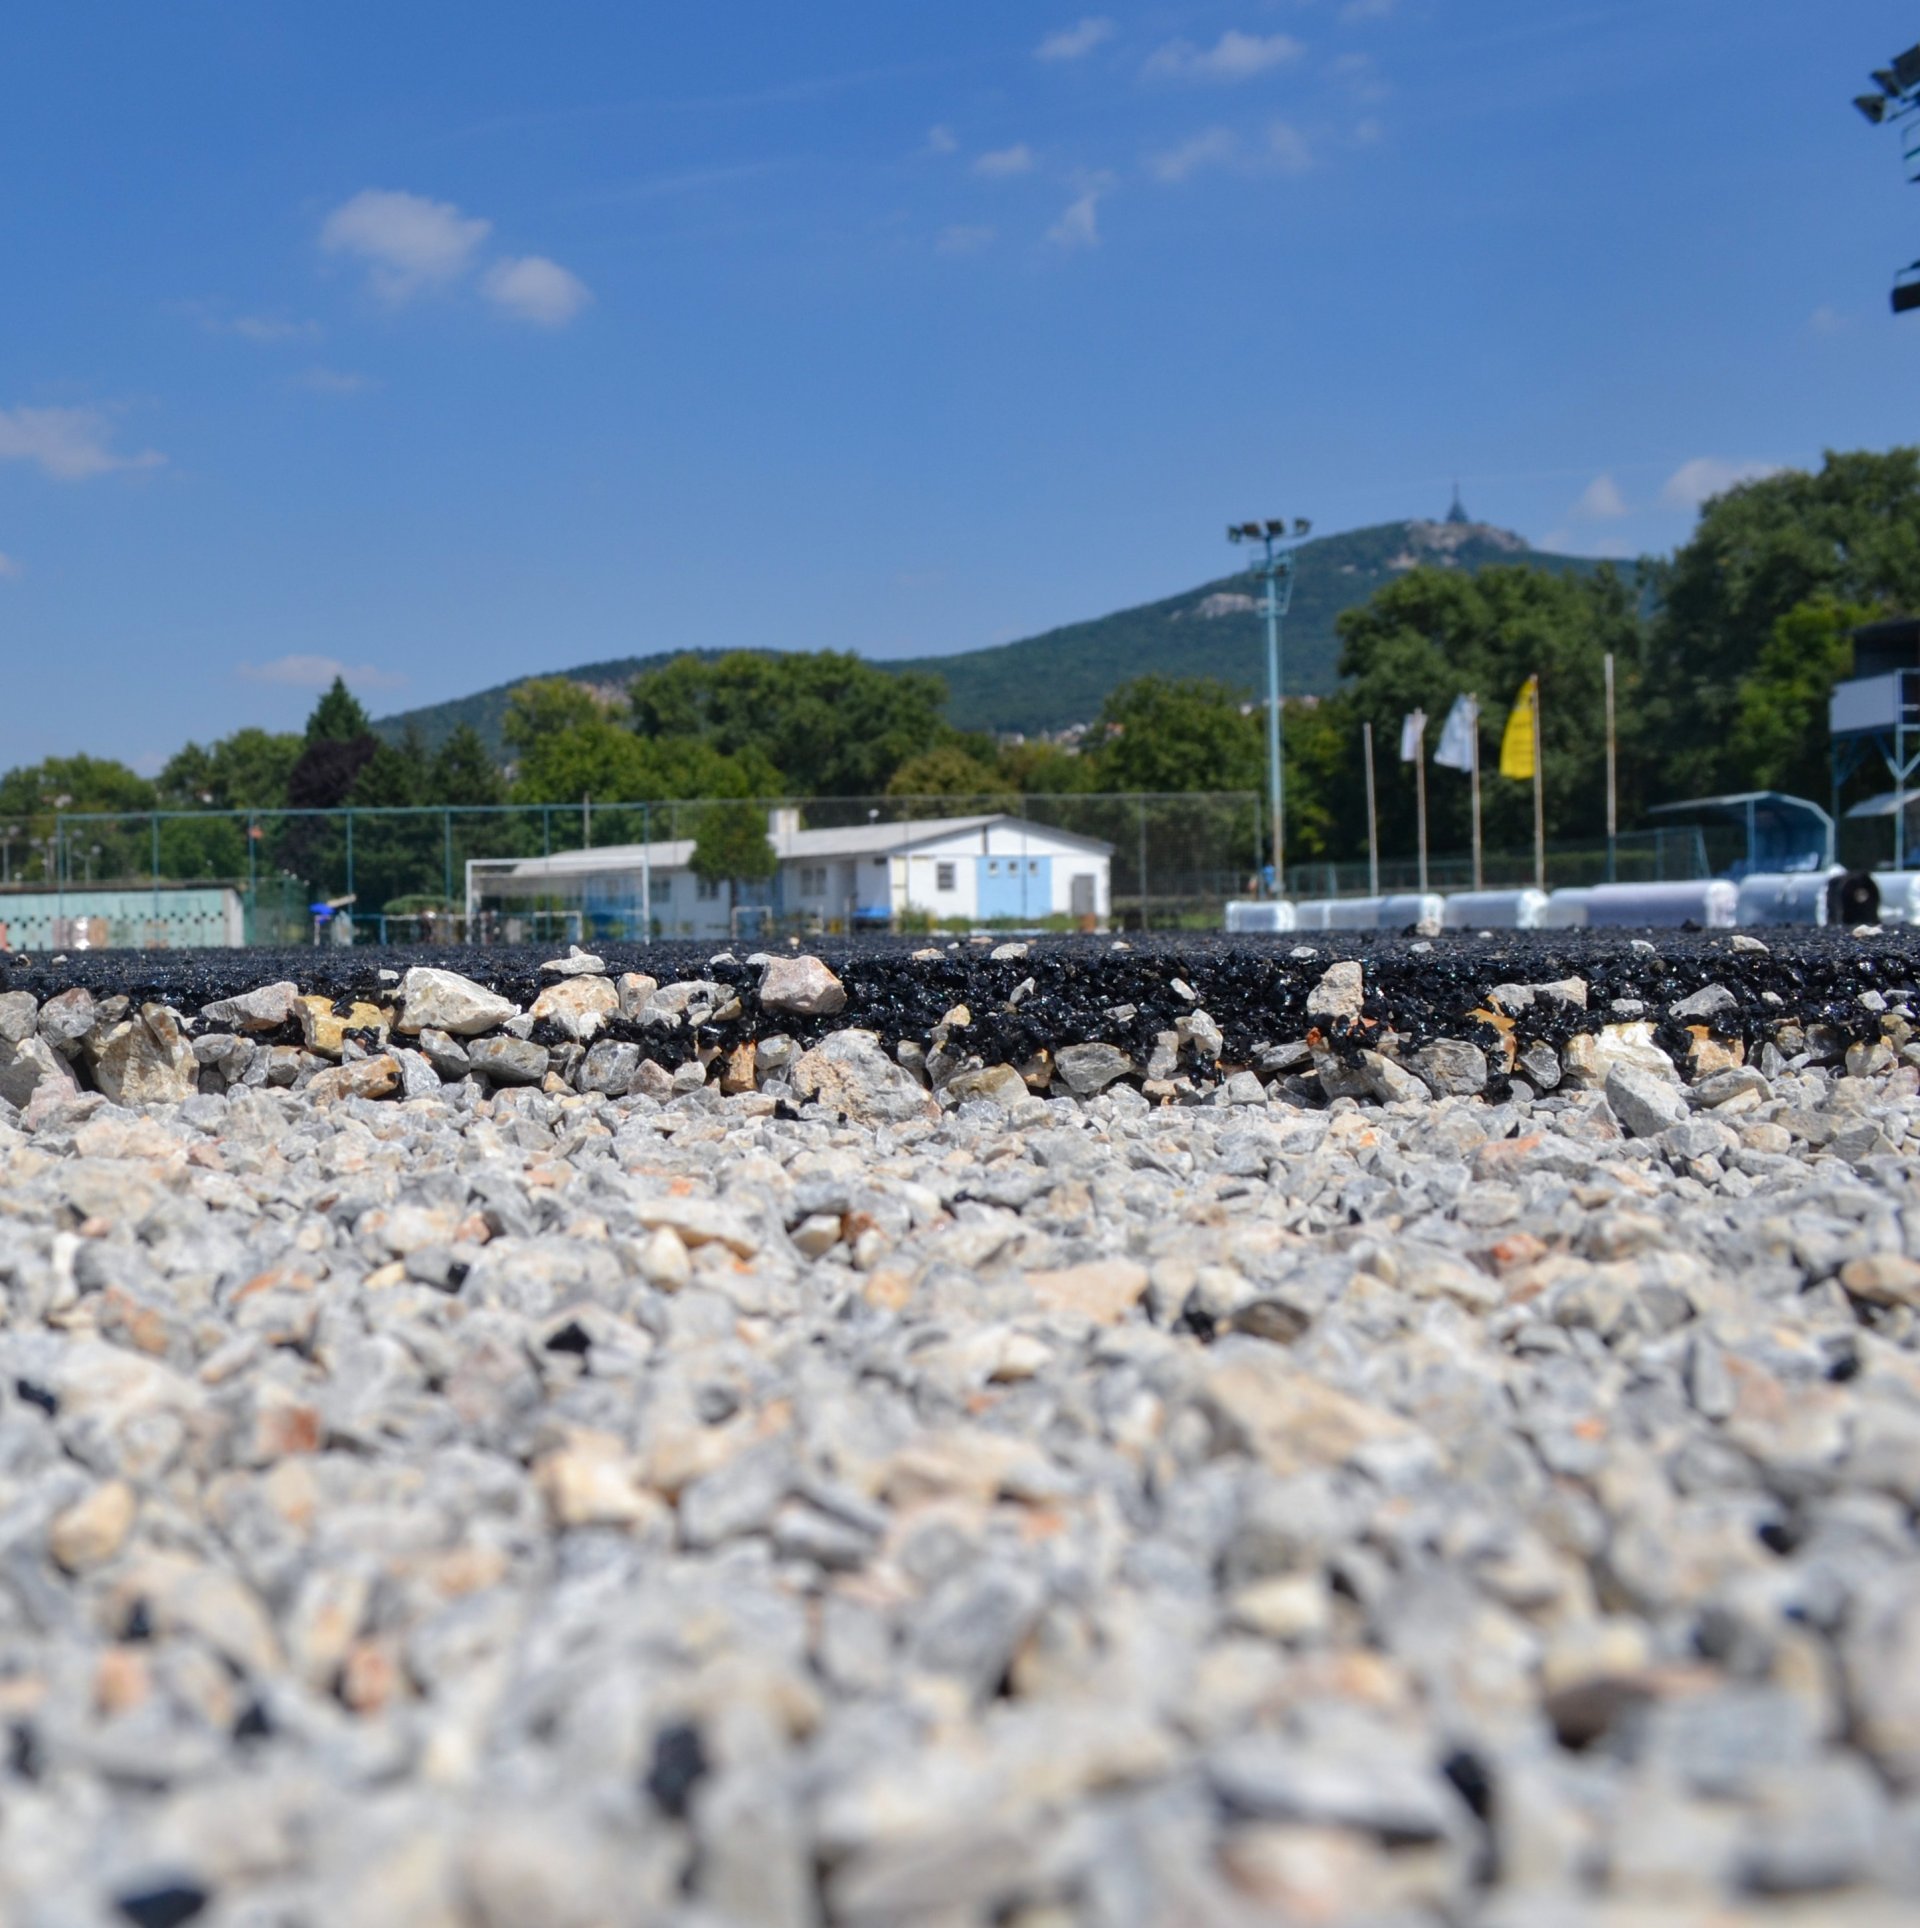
<point>1146,922</point>
<point>350,890</point>
<point>154,821</point>
<point>446,884</point>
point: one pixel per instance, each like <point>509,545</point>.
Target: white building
<point>980,870</point>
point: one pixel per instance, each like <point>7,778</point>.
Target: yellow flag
<point>1516,747</point>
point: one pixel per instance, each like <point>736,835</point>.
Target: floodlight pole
<point>1275,569</point>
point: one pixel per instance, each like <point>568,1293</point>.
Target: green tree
<point>952,770</point>
<point>34,796</point>
<point>463,773</point>
<point>338,717</point>
<point>547,706</point>
<point>1779,736</point>
<point>731,846</point>
<point>835,725</point>
<point>1849,533</point>
<point>1179,733</point>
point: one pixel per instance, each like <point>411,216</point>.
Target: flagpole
<point>1420,792</point>
<point>1612,820</point>
<point>1539,798</point>
<point>1373,822</point>
<point>1475,700</point>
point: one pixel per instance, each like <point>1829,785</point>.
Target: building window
<point>707,889</point>
<point>813,880</point>
<point>662,889</point>
<point>945,876</point>
<point>993,866</point>
<point>879,863</point>
<point>1033,866</point>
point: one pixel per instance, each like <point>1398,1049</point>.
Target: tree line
<point>1725,656</point>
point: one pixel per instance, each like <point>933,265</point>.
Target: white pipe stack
<point>1495,910</point>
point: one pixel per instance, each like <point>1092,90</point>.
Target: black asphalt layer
<point>1122,991</point>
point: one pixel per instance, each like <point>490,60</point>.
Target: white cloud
<point>318,672</point>
<point>1601,501</point>
<point>1234,56</point>
<point>536,289</point>
<point>336,381</point>
<point>1215,148</point>
<point>1706,476</point>
<point>1005,162</point>
<point>1079,226</point>
<point>1284,151</point>
<point>9,568</point>
<point>964,239</point>
<point>942,140</point>
<point>270,328</point>
<point>69,444</point>
<point>1287,148</point>
<point>1076,42</point>
<point>409,244</point>
<point>1211,149</point>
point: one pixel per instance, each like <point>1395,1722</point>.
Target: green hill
<point>1047,682</point>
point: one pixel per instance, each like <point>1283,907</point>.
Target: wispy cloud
<point>1079,226</point>
<point>335,381</point>
<point>942,140</point>
<point>272,328</point>
<point>535,289</point>
<point>69,444</point>
<point>1283,150</point>
<point>964,239</point>
<point>1601,501</point>
<point>1234,56</point>
<point>1217,147</point>
<point>1075,42</point>
<point>1706,476</point>
<point>318,672</point>
<point>1002,163</point>
<point>267,330</point>
<point>408,244</point>
<point>10,569</point>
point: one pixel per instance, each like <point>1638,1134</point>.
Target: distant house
<point>986,870</point>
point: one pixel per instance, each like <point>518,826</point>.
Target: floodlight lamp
<point>1251,530</point>
<point>1887,81</point>
<point>1906,295</point>
<point>1234,532</point>
<point>1301,526</point>
<point>1277,528</point>
<point>1874,106</point>
<point>1906,69</point>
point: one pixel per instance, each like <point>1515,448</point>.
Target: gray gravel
<point>453,1478</point>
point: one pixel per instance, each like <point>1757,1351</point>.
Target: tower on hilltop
<point>1458,513</point>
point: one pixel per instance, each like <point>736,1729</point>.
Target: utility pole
<point>1275,569</point>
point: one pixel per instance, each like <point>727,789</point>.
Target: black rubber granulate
<point>679,1765</point>
<point>164,1907</point>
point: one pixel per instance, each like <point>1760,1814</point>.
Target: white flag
<point>1455,748</point>
<point>1413,726</point>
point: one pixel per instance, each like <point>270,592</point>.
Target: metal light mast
<point>1276,571</point>
<point>1899,100</point>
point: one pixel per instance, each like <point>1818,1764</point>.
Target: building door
<point>1019,889</point>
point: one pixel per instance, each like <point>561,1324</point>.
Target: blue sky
<point>447,343</point>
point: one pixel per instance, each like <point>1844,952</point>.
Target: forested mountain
<point>1064,676</point>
